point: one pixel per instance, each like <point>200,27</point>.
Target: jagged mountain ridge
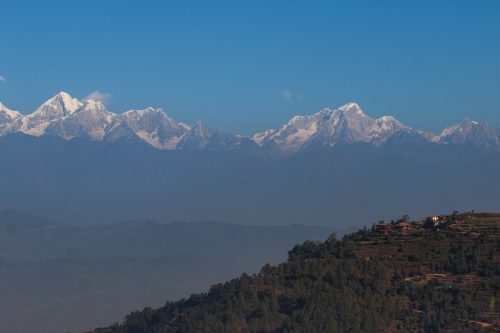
<point>347,124</point>
<point>472,133</point>
<point>68,118</point>
<point>7,116</point>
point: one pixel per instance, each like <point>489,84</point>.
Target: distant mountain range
<point>80,163</point>
<point>68,118</point>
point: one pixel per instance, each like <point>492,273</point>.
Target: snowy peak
<point>68,118</point>
<point>61,104</point>
<point>388,121</point>
<point>93,106</point>
<point>471,133</point>
<point>92,109</point>
<point>8,115</point>
<point>8,119</point>
<point>145,116</point>
<point>153,126</point>
<point>350,108</point>
<point>330,127</point>
<point>142,112</point>
<point>388,125</point>
<point>463,128</point>
<point>89,121</point>
<point>95,109</point>
<point>351,111</point>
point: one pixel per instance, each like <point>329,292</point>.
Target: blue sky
<point>244,66</point>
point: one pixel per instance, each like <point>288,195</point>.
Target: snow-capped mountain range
<point>68,118</point>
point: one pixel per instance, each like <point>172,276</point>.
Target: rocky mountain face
<point>150,125</point>
<point>90,121</point>
<point>472,133</point>
<point>68,118</point>
<point>347,124</point>
<point>7,117</point>
<point>55,109</point>
<point>65,117</point>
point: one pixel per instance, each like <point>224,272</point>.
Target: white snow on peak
<point>388,123</point>
<point>62,102</point>
<point>55,108</point>
<point>330,127</point>
<point>387,119</point>
<point>66,117</point>
<point>463,127</point>
<point>349,107</point>
<point>260,137</point>
<point>139,113</point>
<point>154,126</point>
<point>11,114</point>
<point>94,103</point>
<point>96,108</point>
<point>92,120</point>
<point>472,133</point>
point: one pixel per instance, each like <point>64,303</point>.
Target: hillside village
<point>473,239</point>
<point>404,226</point>
<point>471,223</point>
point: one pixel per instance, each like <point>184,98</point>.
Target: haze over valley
<point>91,276</point>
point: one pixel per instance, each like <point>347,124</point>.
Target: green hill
<point>438,275</point>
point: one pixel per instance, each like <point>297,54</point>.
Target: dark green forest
<point>412,277</point>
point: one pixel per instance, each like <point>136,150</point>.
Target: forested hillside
<point>436,275</point>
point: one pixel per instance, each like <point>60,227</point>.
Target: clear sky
<point>244,66</point>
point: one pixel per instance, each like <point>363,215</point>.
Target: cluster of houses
<point>403,226</point>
